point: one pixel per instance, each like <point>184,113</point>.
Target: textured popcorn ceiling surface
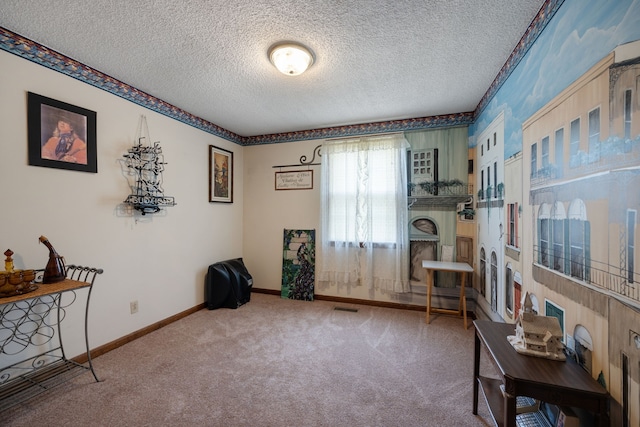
<point>376,60</point>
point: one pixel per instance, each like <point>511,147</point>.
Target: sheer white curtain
<point>364,219</point>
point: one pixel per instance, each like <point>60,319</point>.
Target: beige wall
<point>269,212</point>
<point>159,260</point>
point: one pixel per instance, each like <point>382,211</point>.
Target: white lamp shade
<point>290,59</point>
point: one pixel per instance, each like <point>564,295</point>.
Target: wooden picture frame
<point>61,135</point>
<point>220,175</point>
<point>294,180</point>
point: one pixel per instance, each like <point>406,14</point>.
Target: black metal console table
<point>32,356</point>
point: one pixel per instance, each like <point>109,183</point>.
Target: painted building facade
<point>581,172</point>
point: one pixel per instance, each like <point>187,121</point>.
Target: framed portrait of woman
<point>61,135</point>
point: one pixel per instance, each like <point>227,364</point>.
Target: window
<point>579,241</point>
<point>377,221</point>
<point>534,159</point>
<point>495,179</point>
<point>545,152</point>
<point>558,218</point>
<point>594,130</point>
<point>544,241</point>
<point>481,184</point>
<point>559,152</point>
<point>576,232</point>
<point>508,296</point>
<point>627,114</point>
<point>483,272</point>
<point>574,142</point>
<point>494,281</point>
<point>364,213</point>
<point>512,230</point>
<point>488,182</point>
<point>424,165</point>
<point>631,244</point>
<point>544,215</point>
<point>495,138</point>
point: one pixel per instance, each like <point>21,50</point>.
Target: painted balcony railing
<point>439,193</point>
<point>614,153</point>
<point>610,279</point>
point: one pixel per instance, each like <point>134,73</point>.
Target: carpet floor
<point>277,362</point>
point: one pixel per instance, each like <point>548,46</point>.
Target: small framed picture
<point>220,175</point>
<point>61,135</point>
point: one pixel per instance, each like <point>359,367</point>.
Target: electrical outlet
<point>134,307</point>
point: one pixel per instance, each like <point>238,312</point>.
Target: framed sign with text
<point>294,180</point>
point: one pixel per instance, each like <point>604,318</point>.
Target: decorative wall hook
<point>303,159</point>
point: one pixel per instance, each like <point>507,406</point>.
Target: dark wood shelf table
<point>557,382</point>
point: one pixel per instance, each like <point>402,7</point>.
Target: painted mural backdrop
<point>580,34</point>
<point>562,134</point>
<point>298,264</point>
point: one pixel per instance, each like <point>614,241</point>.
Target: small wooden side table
<point>559,383</point>
<point>459,267</point>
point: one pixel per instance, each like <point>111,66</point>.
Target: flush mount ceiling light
<point>291,59</point>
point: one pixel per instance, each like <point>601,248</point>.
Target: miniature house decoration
<point>536,335</point>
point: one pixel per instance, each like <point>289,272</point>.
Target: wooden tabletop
<point>447,266</point>
<point>46,289</point>
<point>562,375</point>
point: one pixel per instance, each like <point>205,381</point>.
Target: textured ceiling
<point>376,60</point>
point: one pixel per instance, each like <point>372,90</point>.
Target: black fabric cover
<point>227,284</point>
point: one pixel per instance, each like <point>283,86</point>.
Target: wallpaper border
<point>35,52</point>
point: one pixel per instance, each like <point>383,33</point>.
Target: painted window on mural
<point>483,272</point>
<point>583,346</point>
<point>574,142</point>
<point>488,182</point>
<point>534,159</point>
<point>545,152</point>
<point>553,310</point>
<point>559,152</point>
<point>508,296</point>
<point>631,244</point>
<point>564,239</point>
<point>512,231</point>
<point>543,234</point>
<point>558,217</point>
<point>579,237</point>
<point>494,281</point>
<point>594,132</point>
<point>495,179</point>
<point>576,232</point>
<point>627,114</point>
